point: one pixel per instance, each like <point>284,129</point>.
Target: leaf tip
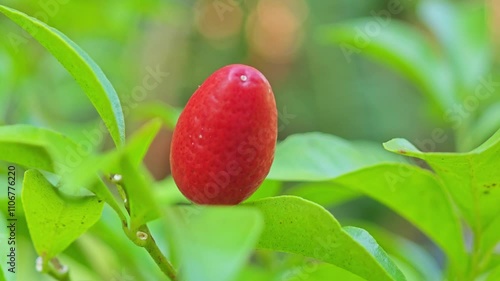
<point>401,146</point>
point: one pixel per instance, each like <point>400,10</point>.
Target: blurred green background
<point>317,87</point>
<point>316,84</point>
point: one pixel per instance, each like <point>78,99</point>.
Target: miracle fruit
<point>223,144</point>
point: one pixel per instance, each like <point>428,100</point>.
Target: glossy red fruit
<point>223,144</point>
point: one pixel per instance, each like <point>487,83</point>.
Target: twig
<point>143,237</point>
<point>57,270</point>
<point>158,256</point>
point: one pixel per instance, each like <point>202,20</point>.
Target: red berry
<point>223,144</point>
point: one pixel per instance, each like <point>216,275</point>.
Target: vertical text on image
<point>11,219</point>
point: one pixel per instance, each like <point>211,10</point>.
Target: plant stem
<point>162,261</point>
<point>58,276</point>
<point>142,237</point>
<point>58,271</point>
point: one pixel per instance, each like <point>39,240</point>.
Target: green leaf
<point>34,147</point>
<point>491,143</point>
<point>318,156</point>
<point>401,47</point>
<point>319,272</point>
<point>55,220</point>
<point>213,243</point>
<point>295,225</point>
<point>5,248</point>
<point>139,144</point>
<point>127,162</point>
<point>135,149</point>
<point>463,32</point>
<point>50,151</point>
<point>471,178</point>
<point>484,126</point>
<point>394,184</point>
<point>83,69</point>
<point>324,193</point>
<point>397,186</point>
<point>408,271</point>
<point>141,202</point>
<point>143,206</point>
<point>2,276</point>
<point>491,237</point>
<point>405,250</point>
